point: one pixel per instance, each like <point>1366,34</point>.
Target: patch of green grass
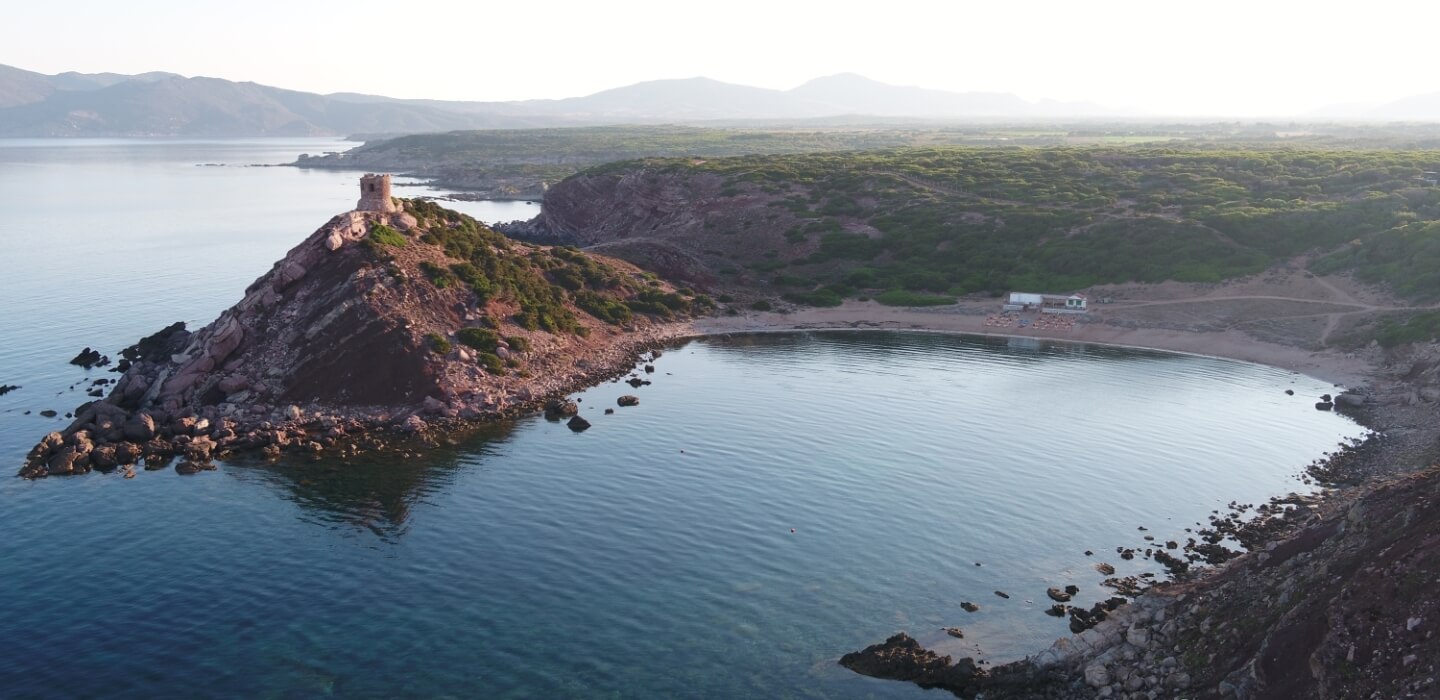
<point>384,235</point>
<point>902,297</point>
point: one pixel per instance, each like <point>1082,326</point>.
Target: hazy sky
<point>1211,57</point>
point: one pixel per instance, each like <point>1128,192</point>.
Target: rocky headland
<point>379,326</point>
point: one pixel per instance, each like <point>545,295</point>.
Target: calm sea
<point>651,556</point>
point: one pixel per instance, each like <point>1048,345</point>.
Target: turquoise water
<point>651,556</point>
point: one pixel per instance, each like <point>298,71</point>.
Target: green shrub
<point>762,305</point>
<point>822,297</point>
<point>518,343</point>
<point>1421,327</point>
<point>607,310</point>
<point>439,276</point>
<point>492,363</point>
<point>482,339</point>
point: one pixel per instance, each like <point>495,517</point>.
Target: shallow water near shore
<point>650,556</point>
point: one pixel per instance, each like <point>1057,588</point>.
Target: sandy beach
<point>1334,366</point>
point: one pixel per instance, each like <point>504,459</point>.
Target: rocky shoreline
<point>104,437</point>
<point>1308,607</point>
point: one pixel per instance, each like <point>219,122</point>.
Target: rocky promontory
<point>378,323</point>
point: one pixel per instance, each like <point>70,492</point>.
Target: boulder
<point>1058,595</point>
<point>103,457</point>
<point>127,453</point>
<point>234,383</point>
<point>199,449</point>
<point>578,424</point>
<point>71,459</point>
<point>561,408</point>
<point>139,427</point>
<point>1096,675</point>
<point>189,467</point>
<point>1349,400</point>
<point>403,221</point>
<point>628,400</point>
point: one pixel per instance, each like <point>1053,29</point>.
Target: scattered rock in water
<point>1289,392</point>
<point>635,382</point>
<point>1105,569</point>
<point>1058,595</point>
<point>189,467</point>
<point>968,606</point>
<point>48,413</point>
<point>1089,553</point>
<point>609,411</point>
<point>954,632</point>
<point>649,369</point>
<point>1082,619</point>
<point>89,358</point>
<point>577,424</point>
<point>1324,405</point>
<point>1072,589</point>
<point>1003,594</point>
<point>1056,610</point>
<point>628,400</point>
<point>556,409</point>
<point>7,388</point>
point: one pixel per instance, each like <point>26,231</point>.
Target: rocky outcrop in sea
<point>377,327</point>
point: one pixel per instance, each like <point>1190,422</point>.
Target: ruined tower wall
<point>375,194</point>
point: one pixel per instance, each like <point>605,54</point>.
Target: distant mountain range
<point>166,104</point>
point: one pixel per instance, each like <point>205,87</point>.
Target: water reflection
<point>374,492</point>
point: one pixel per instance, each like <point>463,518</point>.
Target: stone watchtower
<point>375,194</point>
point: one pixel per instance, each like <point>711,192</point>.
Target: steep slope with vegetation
<point>951,221</point>
<point>374,321</point>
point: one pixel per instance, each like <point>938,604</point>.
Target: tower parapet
<point>375,194</point>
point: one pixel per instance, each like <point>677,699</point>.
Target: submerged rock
<point>578,424</point>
